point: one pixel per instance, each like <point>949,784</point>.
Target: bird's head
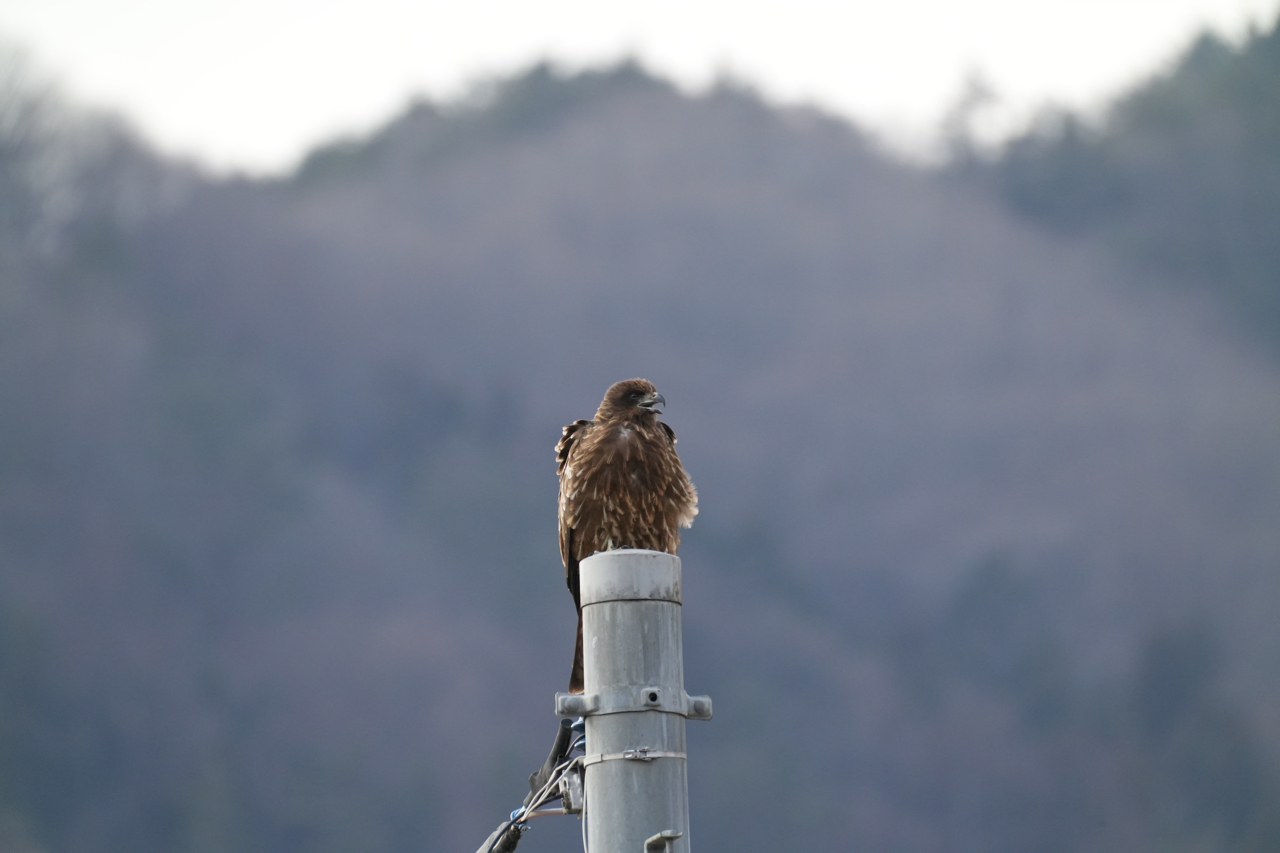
<point>630,398</point>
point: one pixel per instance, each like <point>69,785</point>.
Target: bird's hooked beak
<point>652,401</point>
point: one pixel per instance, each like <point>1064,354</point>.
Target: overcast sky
<point>251,84</point>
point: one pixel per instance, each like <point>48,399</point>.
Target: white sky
<point>251,84</point>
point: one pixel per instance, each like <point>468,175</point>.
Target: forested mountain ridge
<point>427,133</point>
<point>986,557</point>
<point>1181,175</point>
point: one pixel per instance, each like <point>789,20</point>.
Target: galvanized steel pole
<point>637,788</point>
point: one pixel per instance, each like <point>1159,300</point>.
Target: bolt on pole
<point>636,784</point>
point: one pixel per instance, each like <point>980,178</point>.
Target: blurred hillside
<point>987,557</point>
<point>1180,176</point>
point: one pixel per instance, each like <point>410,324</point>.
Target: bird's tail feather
<point>576,684</point>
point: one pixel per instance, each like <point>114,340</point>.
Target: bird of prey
<point>621,486</point>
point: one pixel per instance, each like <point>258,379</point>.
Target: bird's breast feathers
<point>622,485</point>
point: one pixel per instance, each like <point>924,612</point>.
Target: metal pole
<point>637,788</point>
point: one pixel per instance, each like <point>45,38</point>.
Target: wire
<point>543,796</point>
<point>497,836</point>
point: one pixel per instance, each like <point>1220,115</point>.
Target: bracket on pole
<point>661,843</point>
<point>622,700</point>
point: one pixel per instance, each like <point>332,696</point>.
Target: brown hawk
<point>621,486</point>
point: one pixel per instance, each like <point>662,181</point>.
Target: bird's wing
<point>569,502</point>
<point>683,494</point>
<point>568,438</point>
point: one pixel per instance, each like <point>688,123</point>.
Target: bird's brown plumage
<point>621,486</point>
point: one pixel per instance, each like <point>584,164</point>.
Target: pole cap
<point>630,574</point>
